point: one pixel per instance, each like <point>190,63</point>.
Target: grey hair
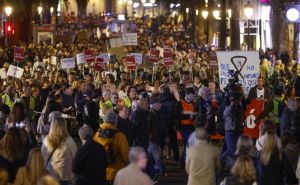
<point>134,154</point>
<point>201,133</point>
<point>86,132</point>
<point>111,117</point>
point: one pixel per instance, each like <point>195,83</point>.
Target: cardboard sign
<point>254,109</point>
<point>168,57</point>
<point>138,58</point>
<point>245,63</point>
<point>89,55</point>
<point>67,63</point>
<point>53,60</point>
<point>154,55</point>
<point>3,73</point>
<point>129,39</point>
<point>115,43</point>
<point>19,54</point>
<point>99,64</point>
<point>15,71</point>
<point>130,62</point>
<point>213,60</point>
<point>105,57</point>
<point>80,58</point>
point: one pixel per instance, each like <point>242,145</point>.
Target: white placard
<point>138,57</point>
<point>67,63</point>
<point>80,58</point>
<point>45,60</point>
<point>15,71</point>
<point>115,43</point>
<point>105,57</point>
<point>110,72</point>
<point>245,62</point>
<point>3,73</point>
<point>129,39</point>
<point>53,60</point>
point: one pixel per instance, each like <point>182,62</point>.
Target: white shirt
<point>260,93</point>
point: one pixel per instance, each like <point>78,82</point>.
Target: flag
<point>254,109</point>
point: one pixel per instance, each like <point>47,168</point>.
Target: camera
<point>233,90</point>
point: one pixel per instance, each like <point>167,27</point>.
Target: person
<point>12,152</point>
<point>17,117</point>
<point>272,164</point>
<point>133,174</point>
<point>124,123</point>
<point>81,98</point>
<point>290,148</point>
<point>89,163</point>
<point>33,170</point>
<point>140,123</point>
<point>91,110</point>
<point>186,112</point>
<point>3,177</point>
<point>10,96</point>
<point>233,120</point>
<point>201,169</point>
<point>242,173</point>
<point>289,110</point>
<point>58,151</point>
<point>168,113</point>
<point>115,144</point>
<point>68,104</point>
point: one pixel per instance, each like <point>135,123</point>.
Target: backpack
<point>108,135</point>
<point>280,107</point>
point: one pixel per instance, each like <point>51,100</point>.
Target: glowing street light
<point>187,10</point>
<point>197,12</point>
<point>204,14</point>
<point>216,13</point>
<point>152,1</point>
<point>292,14</point>
<point>8,10</point>
<point>40,9</point>
<point>248,11</point>
<point>51,10</point>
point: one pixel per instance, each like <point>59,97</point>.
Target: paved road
<point>176,175</point>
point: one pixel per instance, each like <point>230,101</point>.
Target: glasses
<point>114,97</point>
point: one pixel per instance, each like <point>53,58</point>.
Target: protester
<point>89,164</point>
<point>133,174</point>
<point>202,169</point>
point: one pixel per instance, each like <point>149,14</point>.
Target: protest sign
<point>116,42</point>
<point>105,57</point>
<point>244,63</point>
<point>213,60</point>
<point>168,57</point>
<point>138,58</point>
<point>46,61</point>
<point>99,64</point>
<point>15,71</point>
<point>154,55</point>
<point>130,62</point>
<point>254,109</point>
<point>19,54</point>
<point>89,56</point>
<point>129,39</point>
<point>53,60</point>
<point>3,73</point>
<point>67,63</point>
<point>80,58</point>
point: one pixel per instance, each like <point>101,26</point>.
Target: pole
<point>206,30</point>
<point>248,34</point>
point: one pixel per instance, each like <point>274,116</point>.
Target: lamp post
<point>248,11</point>
<point>204,14</point>
<point>152,2</point>
<point>51,10</point>
<point>6,26</point>
<point>40,10</point>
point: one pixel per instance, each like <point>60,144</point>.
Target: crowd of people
<point>116,127</point>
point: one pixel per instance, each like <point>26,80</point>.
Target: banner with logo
<point>99,64</point>
<point>89,55</point>
<point>254,109</point>
<point>243,63</point>
<point>130,62</point>
<point>19,54</point>
<point>168,57</point>
<point>154,55</point>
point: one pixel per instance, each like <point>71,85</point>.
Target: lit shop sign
<point>293,13</point>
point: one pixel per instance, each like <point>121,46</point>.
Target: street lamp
<point>205,15</point>
<point>51,10</point>
<point>216,13</point>
<point>187,10</point>
<point>197,12</point>
<point>40,10</point>
<point>8,10</point>
<point>248,11</point>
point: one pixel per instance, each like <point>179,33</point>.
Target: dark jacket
<point>124,126</point>
<point>67,101</point>
<point>276,171</point>
<point>158,131</point>
<point>91,115</point>
<point>80,100</point>
<point>168,107</point>
<point>89,164</point>
<point>140,128</point>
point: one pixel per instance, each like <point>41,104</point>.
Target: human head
<point>83,86</point>
<point>244,169</point>
<point>189,94</point>
<point>260,82</point>
<point>58,132</point>
<point>290,92</point>
<point>71,77</point>
<point>124,112</point>
<point>85,133</point>
<point>106,94</point>
<point>111,118</point>
<point>35,163</point>
<point>143,103</point>
<point>96,95</point>
<point>48,180</point>
<point>138,156</point>
<point>132,92</point>
<point>203,92</point>
<point>201,133</point>
<point>110,78</point>
<point>17,113</point>
<point>68,90</point>
<point>244,145</point>
<point>11,90</point>
<point>155,102</point>
<point>114,98</point>
<point>212,86</point>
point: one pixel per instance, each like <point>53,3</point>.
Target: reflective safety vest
<point>127,101</point>
<point>7,101</point>
<point>32,103</point>
<point>187,108</point>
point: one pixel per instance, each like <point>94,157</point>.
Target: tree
<point>235,25</point>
